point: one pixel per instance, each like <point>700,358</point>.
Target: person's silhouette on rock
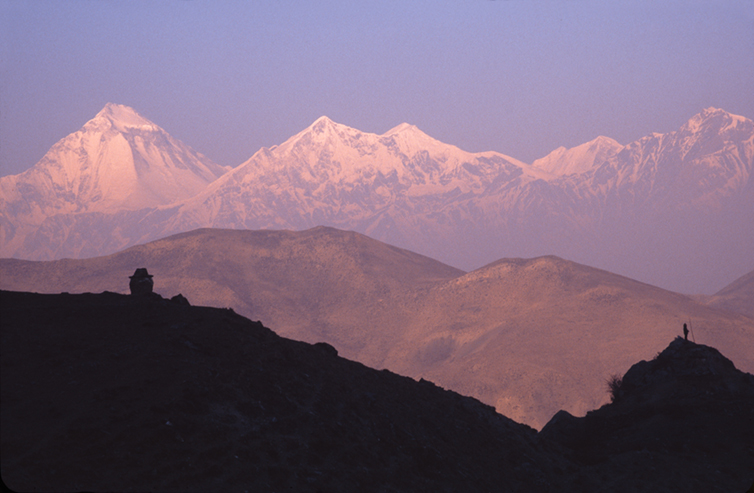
<point>685,332</point>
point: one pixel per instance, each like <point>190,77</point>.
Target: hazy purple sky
<point>519,77</point>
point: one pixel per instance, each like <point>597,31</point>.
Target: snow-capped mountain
<point>118,161</point>
<point>649,209</point>
<point>703,166</point>
<point>678,205</point>
<point>675,210</point>
<point>385,185</point>
<point>579,159</point>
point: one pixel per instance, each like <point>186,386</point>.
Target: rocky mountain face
<point>118,164</point>
<point>674,210</point>
<point>528,336</point>
<point>113,392</point>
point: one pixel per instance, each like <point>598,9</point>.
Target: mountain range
<point>527,336</point>
<point>107,392</point>
<point>673,210</point>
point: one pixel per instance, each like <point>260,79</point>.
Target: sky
<point>229,77</point>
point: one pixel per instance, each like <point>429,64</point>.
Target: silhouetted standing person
<point>141,282</point>
<point>685,332</point>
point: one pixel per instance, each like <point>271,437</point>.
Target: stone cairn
<point>141,283</point>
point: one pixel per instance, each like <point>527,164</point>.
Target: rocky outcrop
<point>683,421</point>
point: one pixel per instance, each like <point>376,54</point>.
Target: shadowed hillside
<point>113,392</point>
<point>529,337</point>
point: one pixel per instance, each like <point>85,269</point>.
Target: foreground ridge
<point>680,422</point>
<point>115,392</point>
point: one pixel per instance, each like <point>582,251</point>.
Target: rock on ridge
<point>681,422</point>
<point>681,358</point>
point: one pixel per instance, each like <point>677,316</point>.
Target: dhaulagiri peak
<point>122,118</point>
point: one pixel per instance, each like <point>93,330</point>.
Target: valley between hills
<point>527,336</point>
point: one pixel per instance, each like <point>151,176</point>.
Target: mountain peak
<point>714,119</point>
<point>322,130</point>
<point>323,124</point>
<point>711,111</point>
<point>117,161</point>
<point>579,159</point>
<point>411,139</point>
<point>607,141</point>
<point>322,120</point>
<point>403,128</point>
<point>123,117</point>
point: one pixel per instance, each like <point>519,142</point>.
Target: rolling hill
<point>738,296</point>
<point>528,336</point>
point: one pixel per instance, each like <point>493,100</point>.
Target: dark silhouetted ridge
<point>109,392</point>
<point>683,421</point>
<point>128,393</point>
